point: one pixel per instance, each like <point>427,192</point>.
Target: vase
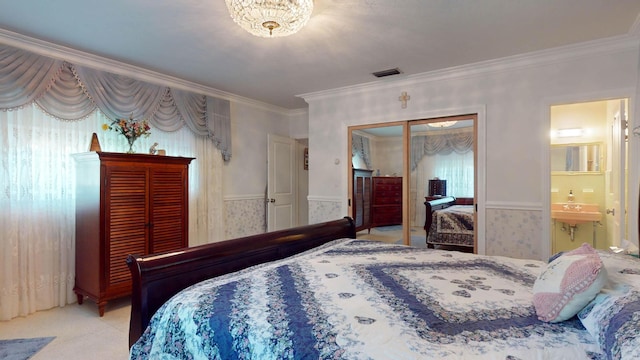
<point>131,140</point>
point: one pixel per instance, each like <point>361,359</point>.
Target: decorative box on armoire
<point>437,187</point>
<point>386,203</point>
<point>125,204</point>
<point>362,198</point>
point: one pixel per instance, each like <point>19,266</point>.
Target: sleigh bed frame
<point>158,277</point>
<point>435,204</point>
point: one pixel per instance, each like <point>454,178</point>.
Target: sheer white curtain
<point>456,168</point>
<point>37,200</point>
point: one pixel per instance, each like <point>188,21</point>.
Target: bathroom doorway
<point>588,151</point>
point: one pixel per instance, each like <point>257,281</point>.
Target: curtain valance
<point>360,146</point>
<point>72,92</point>
<point>443,142</point>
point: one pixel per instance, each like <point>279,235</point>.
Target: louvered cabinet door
<point>126,229</point>
<point>169,206</point>
<point>362,198</point>
<point>125,204</point>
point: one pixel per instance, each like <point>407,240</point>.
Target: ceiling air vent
<point>388,72</point>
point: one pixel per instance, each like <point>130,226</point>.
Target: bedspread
<point>452,226</point>
<point>357,299</point>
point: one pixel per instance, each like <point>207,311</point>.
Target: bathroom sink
<point>575,213</point>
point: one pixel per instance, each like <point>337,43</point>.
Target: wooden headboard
<point>156,278</point>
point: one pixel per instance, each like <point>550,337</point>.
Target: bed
<point>449,222</point>
<point>316,292</point>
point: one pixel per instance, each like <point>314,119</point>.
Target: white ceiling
<point>343,43</point>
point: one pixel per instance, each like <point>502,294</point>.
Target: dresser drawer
<point>387,198</point>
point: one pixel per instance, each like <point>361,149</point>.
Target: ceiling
<point>343,43</point>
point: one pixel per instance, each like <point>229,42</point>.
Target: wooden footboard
<point>158,277</point>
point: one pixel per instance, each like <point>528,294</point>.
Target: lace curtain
<point>37,200</point>
<point>72,92</point>
<point>37,176</point>
<point>360,146</point>
<point>456,168</point>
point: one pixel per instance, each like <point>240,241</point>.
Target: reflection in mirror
<point>440,151</point>
<point>576,158</point>
<point>442,163</point>
<point>377,160</point>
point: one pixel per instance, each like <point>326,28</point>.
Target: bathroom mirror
<point>577,158</point>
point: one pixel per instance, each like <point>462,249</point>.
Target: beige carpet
<point>418,236</point>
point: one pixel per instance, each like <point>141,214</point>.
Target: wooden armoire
<point>362,199</point>
<point>125,204</point>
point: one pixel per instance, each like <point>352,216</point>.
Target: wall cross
<point>404,98</point>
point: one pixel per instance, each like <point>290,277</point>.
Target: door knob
<point>271,200</point>
<point>611,211</point>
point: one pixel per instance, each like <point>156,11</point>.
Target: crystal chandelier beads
<point>270,18</point>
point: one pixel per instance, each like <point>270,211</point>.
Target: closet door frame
<point>406,172</point>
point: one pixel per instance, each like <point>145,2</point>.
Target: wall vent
<point>388,72</point>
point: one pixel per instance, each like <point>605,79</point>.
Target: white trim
<point>244,197</point>
<point>116,67</point>
<point>510,205</point>
<point>324,198</point>
<point>538,58</point>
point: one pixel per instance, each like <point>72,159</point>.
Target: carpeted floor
<point>22,349</point>
<point>393,234</point>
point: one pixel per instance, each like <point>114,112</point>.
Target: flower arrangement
<point>130,128</point>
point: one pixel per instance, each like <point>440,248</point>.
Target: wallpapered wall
<point>515,96</point>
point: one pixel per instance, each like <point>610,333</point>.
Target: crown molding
<point>78,57</point>
<point>538,58</point>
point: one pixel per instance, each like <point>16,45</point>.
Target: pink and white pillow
<point>568,284</point>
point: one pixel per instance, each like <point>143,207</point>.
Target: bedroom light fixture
<point>442,124</point>
<point>270,18</point>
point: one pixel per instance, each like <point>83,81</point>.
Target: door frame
<point>480,165</point>
<point>407,172</point>
<point>633,168</point>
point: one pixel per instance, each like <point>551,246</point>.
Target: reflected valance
<point>360,146</point>
<point>441,142</point>
<point>72,92</point>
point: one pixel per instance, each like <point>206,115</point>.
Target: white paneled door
<point>281,183</point>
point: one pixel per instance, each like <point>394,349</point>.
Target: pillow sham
<point>568,284</point>
<point>613,317</point>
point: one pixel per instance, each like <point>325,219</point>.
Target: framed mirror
<point>582,158</point>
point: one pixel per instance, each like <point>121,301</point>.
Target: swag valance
<point>72,92</point>
<point>360,146</point>
<point>443,142</point>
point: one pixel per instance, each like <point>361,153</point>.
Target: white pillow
<point>613,317</point>
<point>568,284</point>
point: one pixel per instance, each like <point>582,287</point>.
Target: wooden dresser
<point>362,198</point>
<point>386,203</point>
<point>125,204</point>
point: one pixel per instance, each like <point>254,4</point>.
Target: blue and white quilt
<point>357,299</point>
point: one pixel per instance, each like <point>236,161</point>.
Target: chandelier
<point>270,18</point>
